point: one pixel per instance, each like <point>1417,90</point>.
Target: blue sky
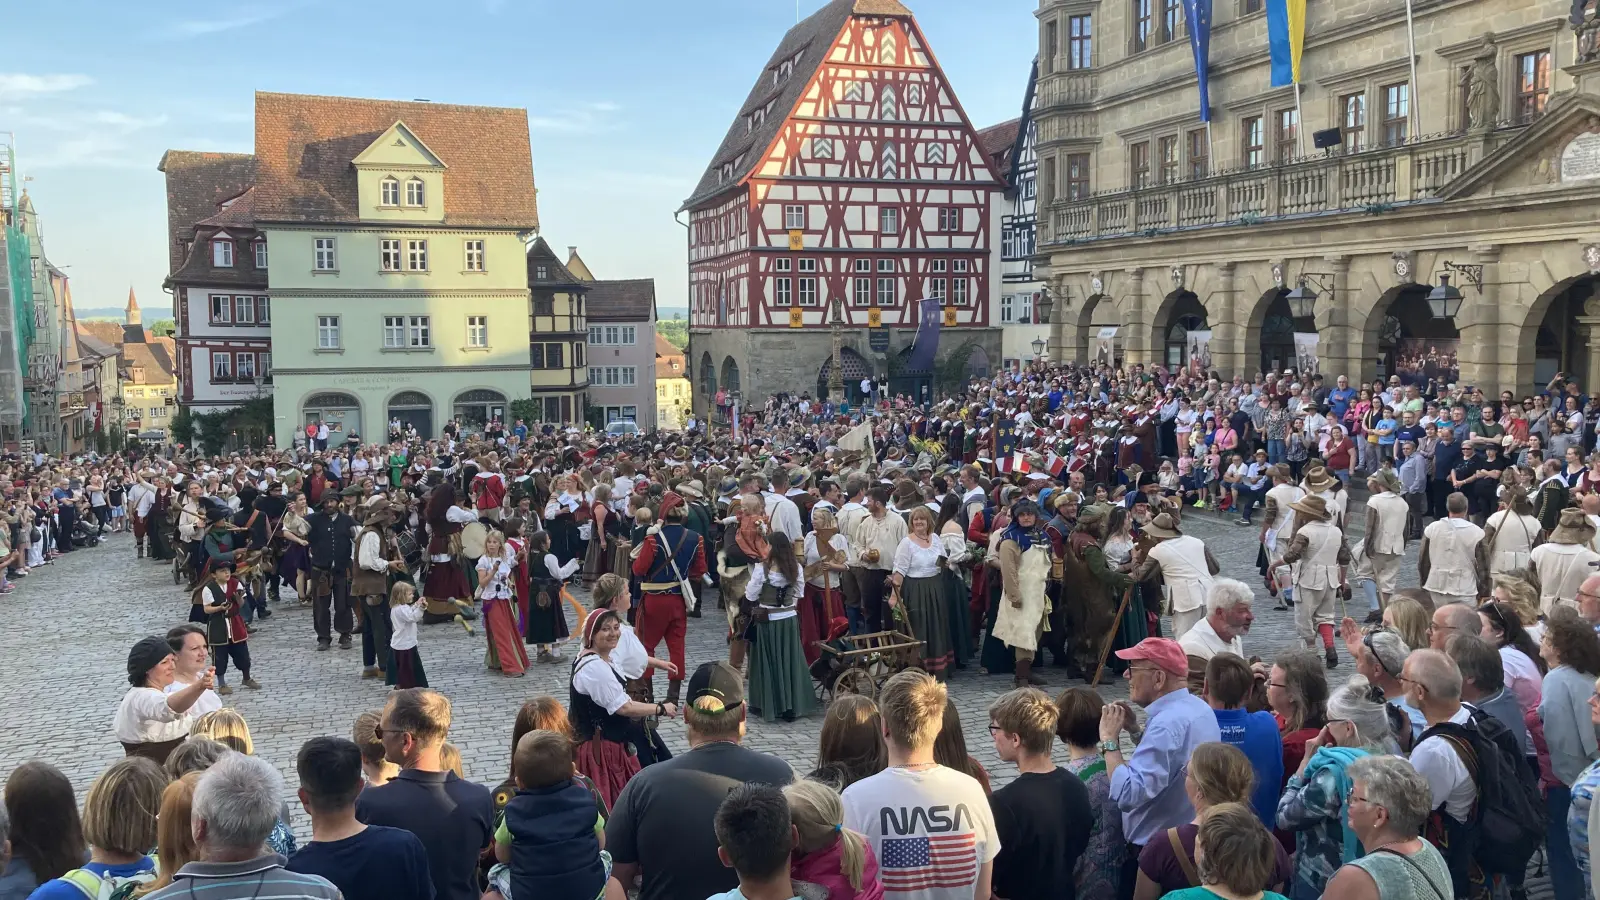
<point>627,100</point>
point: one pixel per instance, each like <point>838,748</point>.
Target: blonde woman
<point>495,567</point>
<point>296,561</point>
<point>175,846</point>
<point>226,727</point>
<point>561,519</point>
<point>597,558</point>
<point>919,588</point>
<point>119,822</point>
<point>827,854</point>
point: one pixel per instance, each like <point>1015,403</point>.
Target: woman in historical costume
<point>547,621</point>
<point>597,559</point>
<point>780,682</point>
<point>825,561</point>
<point>446,587</point>
<point>159,522</point>
<point>632,661</point>
<point>994,655</point>
<point>607,726</point>
<point>151,722</point>
<point>1021,617</point>
<point>397,464</point>
<point>561,519</point>
<point>496,576</point>
<point>956,593</point>
<point>295,564</point>
<point>919,586</point>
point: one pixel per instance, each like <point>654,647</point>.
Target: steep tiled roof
<point>665,347</point>
<point>239,212</point>
<point>196,183</point>
<point>626,300</point>
<point>154,358</point>
<point>997,142</point>
<point>197,268</point>
<point>814,35</point>
<point>669,359</point>
<point>106,332</point>
<point>89,343</point>
<point>556,275</point>
<point>305,145</point>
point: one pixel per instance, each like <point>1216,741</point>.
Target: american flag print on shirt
<point>913,864</point>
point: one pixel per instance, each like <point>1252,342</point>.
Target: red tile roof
<point>997,142</point>
<point>196,183</point>
<point>305,145</point>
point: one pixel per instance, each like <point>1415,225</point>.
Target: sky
<point>627,100</point>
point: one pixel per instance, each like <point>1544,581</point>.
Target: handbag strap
<point>1417,867</point>
<point>1183,858</point>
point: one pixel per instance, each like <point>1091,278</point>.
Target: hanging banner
<point>797,240</point>
<point>1198,15</point>
<point>1305,353</point>
<point>1286,39</point>
<point>949,317</point>
<point>796,317</point>
<point>874,317</point>
<point>1105,346</point>
<point>926,344</point>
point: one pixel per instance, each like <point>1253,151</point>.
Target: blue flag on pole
<point>1198,12</point>
<point>1286,39</point>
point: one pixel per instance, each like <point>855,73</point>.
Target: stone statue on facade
<point>1481,82</point>
<point>1585,31</point>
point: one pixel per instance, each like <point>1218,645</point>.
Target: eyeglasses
<point>995,729</point>
<point>1278,684</point>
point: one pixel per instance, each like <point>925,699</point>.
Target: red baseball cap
<point>1164,652</point>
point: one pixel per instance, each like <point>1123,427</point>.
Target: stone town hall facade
<point>851,174</point>
<point>1486,156</point>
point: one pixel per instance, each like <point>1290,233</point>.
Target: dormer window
<point>415,195</point>
<point>541,272</point>
<point>391,192</point>
<point>261,253</point>
<point>222,253</point>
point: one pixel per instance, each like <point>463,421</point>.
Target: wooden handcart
<point>861,663</point>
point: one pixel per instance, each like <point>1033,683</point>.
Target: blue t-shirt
<point>380,863</point>
<point>1387,439</point>
<point>57,889</point>
<point>1257,735</point>
<point>1339,400</point>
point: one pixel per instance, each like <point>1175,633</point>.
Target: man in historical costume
<point>1378,557</point>
<point>1092,588</point>
<point>1023,616</point>
<point>669,555</point>
<point>1318,557</point>
<point>377,557</point>
<point>1552,496</point>
<point>1184,565</point>
<point>138,509</point>
<point>1059,531</point>
<point>1277,529</point>
<point>700,520</point>
<point>488,489</point>
<point>332,550</point>
<point>1559,565</point>
<point>1447,563</point>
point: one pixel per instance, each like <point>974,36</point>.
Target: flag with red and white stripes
<point>912,865</point>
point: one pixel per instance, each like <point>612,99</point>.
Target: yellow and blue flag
<point>1286,39</point>
<point>1198,12</point>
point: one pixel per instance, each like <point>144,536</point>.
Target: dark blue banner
<point>927,342</point>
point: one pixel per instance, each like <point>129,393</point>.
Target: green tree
<point>676,332</point>
<point>181,428</point>
<point>163,327</point>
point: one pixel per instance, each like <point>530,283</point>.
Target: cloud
<point>181,29</point>
<point>94,138</point>
<point>19,85</point>
<point>583,118</point>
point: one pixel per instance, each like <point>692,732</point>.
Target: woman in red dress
<point>607,725</point>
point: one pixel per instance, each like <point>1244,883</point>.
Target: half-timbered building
<point>850,187</point>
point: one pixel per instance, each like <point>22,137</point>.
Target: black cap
<point>719,681</point>
<point>146,655</point>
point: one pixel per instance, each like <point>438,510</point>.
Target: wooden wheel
<point>855,681</point>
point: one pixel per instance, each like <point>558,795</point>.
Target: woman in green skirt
<point>958,596</point>
<point>920,589</point>
<point>780,683</point>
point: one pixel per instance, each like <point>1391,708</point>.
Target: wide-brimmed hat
<point>1574,528</point>
<point>906,495</point>
<point>1162,527</point>
<point>1313,506</point>
<point>1391,481</point>
<point>692,490</point>
<point>1318,479</point>
<point>377,512</point>
<point>1093,513</point>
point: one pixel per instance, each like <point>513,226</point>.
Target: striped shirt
<point>263,878</point>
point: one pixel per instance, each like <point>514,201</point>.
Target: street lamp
<point>1444,301</point>
<point>1303,299</point>
<point>1039,346</point>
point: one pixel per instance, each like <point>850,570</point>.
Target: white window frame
<point>416,193</point>
<point>260,247</point>
<point>630,375</point>
<point>221,366</point>
<point>244,310</point>
<point>1007,309</point>
<point>612,335</point>
<point>241,362</point>
<point>417,255</point>
<point>794,217</point>
<point>808,292</point>
<point>222,253</point>
<point>863,292</point>
<point>224,304</point>
<point>782,291</point>
<point>782,264</point>
<point>595,334</point>
<point>887,289</point>
<point>389,191</point>
<point>936,288</point>
<point>263,310</point>
<point>326,254</point>
<point>328,333</point>
<point>808,264</point>
<point>478,332</point>
<point>594,374</point>
<point>389,255</point>
<point>419,332</point>
<point>473,256</point>
<point>888,220</point>
<point>959,291</point>
<point>628,335</point>
<point>1026,307</point>
<point>394,332</point>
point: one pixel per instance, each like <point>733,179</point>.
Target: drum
<point>473,536</point>
<point>406,544</point>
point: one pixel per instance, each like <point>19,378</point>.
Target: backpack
<point>1509,813</point>
<point>99,887</point>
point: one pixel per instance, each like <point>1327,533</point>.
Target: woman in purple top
<point>1099,869</point>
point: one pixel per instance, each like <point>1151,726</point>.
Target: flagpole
<point>1411,59</point>
<point>1300,122</point>
<point>1211,154</point>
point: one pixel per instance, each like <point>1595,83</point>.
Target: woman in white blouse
<point>825,550</point>
<point>607,725</point>
<point>780,683</point>
<point>495,577</point>
<point>151,722</point>
<point>957,594</point>
<point>919,589</point>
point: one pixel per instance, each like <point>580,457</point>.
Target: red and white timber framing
<point>878,175</point>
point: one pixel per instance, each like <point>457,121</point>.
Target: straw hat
<point>1162,527</point>
<point>1318,479</point>
<point>1575,528</point>
<point>1313,507</point>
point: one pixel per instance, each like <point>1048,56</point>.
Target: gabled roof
<point>154,358</point>
<point>998,142</point>
<point>103,331</point>
<point>196,183</point>
<point>1553,127</point>
<point>577,266</point>
<point>237,212</point>
<point>665,347</point>
<point>92,345</point>
<point>555,274</point>
<point>625,300</point>
<point>815,35</point>
<point>198,269</point>
<point>305,146</point>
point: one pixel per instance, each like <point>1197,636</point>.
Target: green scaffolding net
<point>19,271</point>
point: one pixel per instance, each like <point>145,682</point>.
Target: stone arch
<point>1552,339</point>
<point>475,407</point>
<point>341,410</point>
<point>1079,327</point>
<point>1399,330</point>
<point>1269,333</point>
<point>707,377</point>
<point>1180,312</point>
<point>854,366</point>
<point>730,374</point>
<point>413,408</point>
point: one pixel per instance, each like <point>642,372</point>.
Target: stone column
<point>1479,322</point>
<point>1227,335</point>
<point>1591,332</point>
<point>1135,325</point>
<point>1339,339</point>
<point>1060,310</point>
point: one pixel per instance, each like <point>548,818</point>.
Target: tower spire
<point>131,312</point>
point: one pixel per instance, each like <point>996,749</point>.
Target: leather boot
<point>1024,673</point>
<point>674,691</point>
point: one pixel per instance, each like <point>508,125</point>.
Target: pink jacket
<point>822,868</point>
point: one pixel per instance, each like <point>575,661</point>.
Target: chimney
<point>572,250</point>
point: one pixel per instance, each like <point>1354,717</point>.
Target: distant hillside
<point>98,312</point>
<point>665,313</point>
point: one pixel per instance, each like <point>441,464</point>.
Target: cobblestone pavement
<point>65,634</point>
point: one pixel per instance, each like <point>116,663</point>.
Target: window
<point>1246,7</point>
<point>886,291</point>
<point>1008,243</point>
<point>794,217</point>
<point>863,292</point>
<point>1251,142</point>
<point>1352,120</point>
<point>1025,309</point>
<point>1142,22</point>
<point>612,334</point>
<point>222,254</point>
<point>889,220</point>
<point>394,332</point>
<point>1007,309</point>
<point>221,366</point>
<point>541,272</point>
<point>949,218</point>
<point>477,331</point>
<point>536,356</point>
<point>417,256</point>
<point>782,264</point>
<point>1139,165</point>
<point>246,366</point>
<point>1167,155</point>
<point>1288,134</point>
<point>1052,46</point>
<point>1047,168</point>
<point>808,292</point>
<point>1077,176</point>
<point>783,291</point>
<point>264,363</point>
<point>389,255</point>
<point>545,306</point>
<point>221,309</point>
<point>390,193</point>
<point>415,194</point>
<point>1396,113</point>
<point>327,332</point>
<point>1080,35</point>
<point>263,310</point>
<point>244,310</point>
<point>936,286</point>
<point>628,330</point>
<point>958,291</point>
<point>577,356</point>
<point>474,257</point>
<point>418,332</point>
<point>808,265</point>
<point>1199,154</point>
<point>1533,84</point>
<point>594,334</point>
<point>260,248</point>
<point>326,259</point>
<point>555,356</point>
<point>1171,20</point>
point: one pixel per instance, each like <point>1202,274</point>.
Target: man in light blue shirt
<point>1148,786</point>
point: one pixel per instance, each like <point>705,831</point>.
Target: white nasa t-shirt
<point>931,829</point>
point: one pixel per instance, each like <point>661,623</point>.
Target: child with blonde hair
<point>405,611</point>
<point>828,854</point>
